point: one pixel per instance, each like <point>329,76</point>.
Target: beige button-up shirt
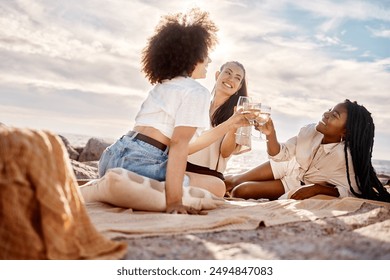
<point>318,163</point>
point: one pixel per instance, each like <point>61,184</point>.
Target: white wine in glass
<point>265,112</point>
<point>242,100</point>
<point>240,105</point>
<point>251,111</point>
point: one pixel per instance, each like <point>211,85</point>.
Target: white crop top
<point>181,101</point>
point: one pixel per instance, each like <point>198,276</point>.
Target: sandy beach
<point>361,235</point>
<point>99,70</point>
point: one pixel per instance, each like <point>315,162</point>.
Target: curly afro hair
<point>181,41</point>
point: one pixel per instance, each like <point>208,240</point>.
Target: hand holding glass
<point>240,105</point>
<point>265,112</point>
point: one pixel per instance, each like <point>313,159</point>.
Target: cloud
<point>68,110</point>
<point>76,64</point>
<point>351,9</point>
<point>381,32</point>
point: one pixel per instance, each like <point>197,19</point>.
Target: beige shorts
<point>287,172</point>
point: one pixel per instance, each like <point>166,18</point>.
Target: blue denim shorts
<point>136,156</point>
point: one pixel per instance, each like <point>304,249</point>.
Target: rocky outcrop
<point>73,154</point>
<point>93,150</point>
<point>84,171</point>
<point>84,160</point>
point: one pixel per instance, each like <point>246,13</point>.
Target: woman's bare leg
<point>262,172</point>
<point>127,189</point>
<point>211,183</point>
<point>271,189</point>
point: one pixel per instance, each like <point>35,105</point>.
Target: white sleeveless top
<point>211,157</point>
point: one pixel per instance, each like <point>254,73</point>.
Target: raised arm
<point>229,143</point>
<point>273,146</point>
<point>212,135</point>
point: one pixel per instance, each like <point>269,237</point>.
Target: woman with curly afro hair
<point>175,111</point>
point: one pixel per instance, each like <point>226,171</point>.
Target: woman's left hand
<point>305,193</point>
<point>316,189</point>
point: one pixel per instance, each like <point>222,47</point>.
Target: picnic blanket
<point>42,215</point>
<point>115,222</point>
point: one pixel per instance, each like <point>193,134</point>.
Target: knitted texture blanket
<point>42,214</point>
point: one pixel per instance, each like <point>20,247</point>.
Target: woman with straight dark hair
<point>212,161</point>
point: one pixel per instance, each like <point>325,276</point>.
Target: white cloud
<point>87,53</point>
<point>382,32</point>
<point>351,9</point>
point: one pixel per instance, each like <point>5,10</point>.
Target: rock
<point>94,149</point>
<point>73,154</point>
<point>84,171</point>
<point>79,149</point>
<point>93,163</point>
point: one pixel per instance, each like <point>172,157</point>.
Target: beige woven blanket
<point>116,222</point>
<point>42,215</point>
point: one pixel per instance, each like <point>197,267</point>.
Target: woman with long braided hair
<point>332,157</point>
<point>359,140</point>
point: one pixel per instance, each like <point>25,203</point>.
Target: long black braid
<point>359,140</point>
<point>226,110</point>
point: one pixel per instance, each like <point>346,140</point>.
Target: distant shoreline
<point>236,163</point>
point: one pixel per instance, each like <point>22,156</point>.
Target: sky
<point>74,66</point>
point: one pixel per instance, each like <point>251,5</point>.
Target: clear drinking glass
<point>265,112</point>
<point>251,111</point>
<point>242,100</point>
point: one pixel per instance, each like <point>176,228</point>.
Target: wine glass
<point>251,111</point>
<point>265,112</point>
<point>242,100</point>
<point>240,105</point>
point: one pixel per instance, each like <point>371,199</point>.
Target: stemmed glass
<point>242,100</point>
<point>251,111</point>
<point>265,112</point>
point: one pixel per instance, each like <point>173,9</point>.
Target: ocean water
<point>253,158</point>
<point>237,163</point>
<point>382,167</point>
<point>79,140</point>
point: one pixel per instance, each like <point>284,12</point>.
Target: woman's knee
<point>213,184</point>
<point>242,191</point>
<point>219,188</point>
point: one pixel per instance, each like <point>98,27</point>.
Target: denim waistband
<point>147,139</point>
